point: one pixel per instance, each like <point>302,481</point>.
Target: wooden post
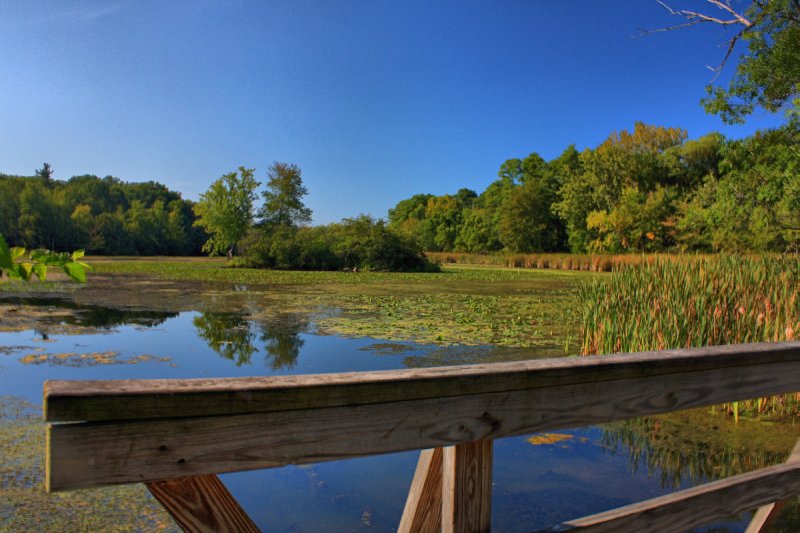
<point>467,488</point>
<point>423,510</point>
<point>202,504</point>
<point>766,515</point>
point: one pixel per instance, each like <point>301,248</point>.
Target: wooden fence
<point>175,435</point>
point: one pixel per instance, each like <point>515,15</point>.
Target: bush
<point>360,243</point>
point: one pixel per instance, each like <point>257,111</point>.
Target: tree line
<point>278,235</point>
<point>646,190</point>
<point>100,215</point>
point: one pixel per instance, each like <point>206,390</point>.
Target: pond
<point>539,480</point>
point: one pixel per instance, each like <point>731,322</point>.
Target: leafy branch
<point>20,264</point>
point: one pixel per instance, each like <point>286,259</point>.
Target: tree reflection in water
<point>281,338</point>
<point>228,334</point>
<point>697,446</point>
<point>232,336</point>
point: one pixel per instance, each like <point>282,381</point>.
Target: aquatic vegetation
<point>539,320</point>
<point>549,438</point>
<point>25,506</point>
<point>387,348</point>
<point>696,302</point>
<point>79,360</point>
<point>465,305</point>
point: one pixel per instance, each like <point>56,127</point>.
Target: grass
<point>216,271</point>
<point>555,261</point>
<point>696,302</point>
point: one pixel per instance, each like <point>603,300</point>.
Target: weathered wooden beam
<point>423,510</point>
<point>467,488</point>
<point>102,453</point>
<point>167,398</point>
<point>202,504</point>
<point>766,515</point>
<point>696,506</point>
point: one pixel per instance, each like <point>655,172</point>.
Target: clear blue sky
<point>374,100</point>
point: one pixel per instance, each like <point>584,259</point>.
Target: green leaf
<point>41,271</point>
<point>77,254</point>
<point>23,270</point>
<point>50,258</point>
<point>5,255</point>
<point>17,252</point>
<point>76,272</point>
<point>39,255</point>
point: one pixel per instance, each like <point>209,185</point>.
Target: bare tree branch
<point>694,17</point>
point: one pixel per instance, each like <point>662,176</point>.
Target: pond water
<point>538,481</point>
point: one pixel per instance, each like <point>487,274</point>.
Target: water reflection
<point>696,446</point>
<point>282,342</point>
<point>228,334</point>
<point>85,315</point>
<point>233,337</point>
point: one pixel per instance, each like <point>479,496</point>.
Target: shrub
<point>360,243</point>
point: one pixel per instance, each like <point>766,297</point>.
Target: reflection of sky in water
<point>534,486</point>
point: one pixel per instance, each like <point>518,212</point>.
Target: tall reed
<point>696,302</point>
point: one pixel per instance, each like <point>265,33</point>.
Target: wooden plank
<point>202,504</point>
<point>700,505</point>
<point>140,399</point>
<point>423,510</point>
<point>766,515</point>
<point>102,453</point>
<point>467,488</point>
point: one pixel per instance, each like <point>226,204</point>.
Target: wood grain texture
<point>202,504</point>
<point>693,507</point>
<point>766,515</point>
<point>146,399</point>
<point>467,488</point>
<point>102,453</point>
<point>423,510</point>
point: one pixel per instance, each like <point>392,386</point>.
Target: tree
<point>225,210</point>
<point>283,204</point>
<point>527,223</point>
<point>768,73</point>
<point>45,172</point>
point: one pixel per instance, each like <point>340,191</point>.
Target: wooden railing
<point>175,435</point>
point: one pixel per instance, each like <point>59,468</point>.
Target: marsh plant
<point>696,302</point>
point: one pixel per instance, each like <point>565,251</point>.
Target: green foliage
<point>283,199</point>
<point>685,302</point>
<point>751,204</point>
<point>19,264</point>
<point>645,190</point>
<point>45,172</point>
<point>359,243</point>
<point>768,73</point>
<point>225,210</point>
<point>100,215</point>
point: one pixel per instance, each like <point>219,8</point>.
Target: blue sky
<point>374,100</point>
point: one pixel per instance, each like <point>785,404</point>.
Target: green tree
<point>768,73</point>
<point>526,221</point>
<point>45,172</point>
<point>225,210</point>
<point>283,198</point>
